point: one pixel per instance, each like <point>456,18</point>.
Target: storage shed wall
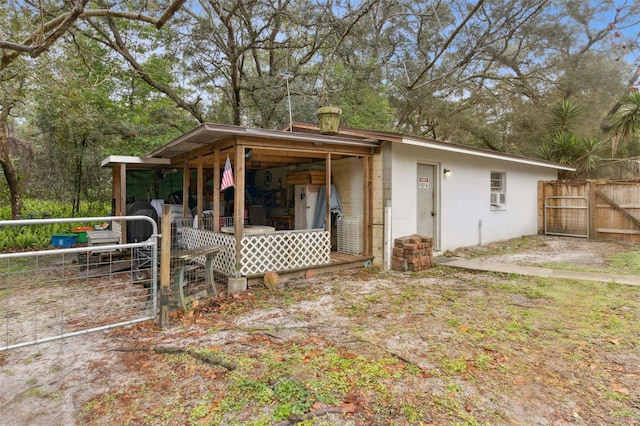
<point>464,213</point>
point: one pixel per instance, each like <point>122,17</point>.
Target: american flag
<point>227,176</point>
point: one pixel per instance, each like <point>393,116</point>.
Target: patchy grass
<point>624,263</point>
<point>437,347</point>
<point>494,249</point>
<point>443,346</point>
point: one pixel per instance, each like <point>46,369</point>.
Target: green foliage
<point>483,361</point>
<point>39,236</point>
<point>564,147</point>
<point>454,366</point>
<point>626,121</point>
<point>564,116</point>
<point>294,398</point>
<point>326,375</point>
<point>625,262</point>
<point>386,67</point>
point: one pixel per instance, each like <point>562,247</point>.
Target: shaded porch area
<point>287,182</point>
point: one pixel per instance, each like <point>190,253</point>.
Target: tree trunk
<point>79,176</point>
<point>7,167</point>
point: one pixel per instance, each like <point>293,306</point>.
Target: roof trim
<point>461,149</point>
<point>350,132</point>
<point>422,141</point>
<point>140,162</point>
<point>219,132</point>
<point>345,137</point>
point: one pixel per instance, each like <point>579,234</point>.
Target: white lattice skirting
<point>276,251</point>
<point>224,262</point>
<point>284,251</point>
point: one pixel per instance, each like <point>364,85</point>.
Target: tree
<point>499,64</point>
<point>11,92</point>
<point>48,30</point>
<point>626,121</point>
<point>564,147</point>
<point>478,72</point>
<point>53,20</point>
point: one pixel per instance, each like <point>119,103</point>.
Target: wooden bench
<point>190,260</point>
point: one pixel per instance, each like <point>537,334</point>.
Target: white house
<point>457,195</point>
<point>395,184</point>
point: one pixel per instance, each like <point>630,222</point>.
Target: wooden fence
<point>604,209</point>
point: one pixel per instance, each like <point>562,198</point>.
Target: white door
<point>425,201</point>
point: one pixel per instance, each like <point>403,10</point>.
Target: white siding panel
<point>464,197</point>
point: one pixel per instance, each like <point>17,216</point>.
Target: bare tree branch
<point>414,84</point>
<point>120,46</point>
<point>169,12</point>
<point>67,22</point>
<point>56,27</point>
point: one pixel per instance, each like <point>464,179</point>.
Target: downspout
<point>479,232</point>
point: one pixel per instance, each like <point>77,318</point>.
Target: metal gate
<point>79,287</point>
<point>566,216</point>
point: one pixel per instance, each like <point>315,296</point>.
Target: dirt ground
<point>554,250</point>
<point>458,348</point>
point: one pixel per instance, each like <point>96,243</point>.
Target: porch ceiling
<point>269,148</point>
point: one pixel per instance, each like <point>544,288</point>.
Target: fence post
<point>165,262</point>
<point>593,209</point>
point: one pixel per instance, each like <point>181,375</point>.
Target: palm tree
<point>564,116</point>
<point>564,147</point>
<point>626,122</point>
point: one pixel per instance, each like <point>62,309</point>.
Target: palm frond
<point>564,116</point>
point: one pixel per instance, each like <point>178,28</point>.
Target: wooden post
<point>593,209</point>
<point>186,184</point>
<point>216,191</point>
<point>367,223</point>
<point>327,187</point>
<point>165,265</point>
<point>238,201</point>
<point>120,196</point>
<point>200,197</point>
<point>116,188</point>
<point>541,189</point>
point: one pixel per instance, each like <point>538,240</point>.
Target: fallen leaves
<point>618,388</point>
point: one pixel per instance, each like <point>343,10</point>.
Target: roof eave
<point>135,162</point>
<point>444,146</point>
<point>219,132</point>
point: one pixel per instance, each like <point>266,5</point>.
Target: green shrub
<point>39,236</point>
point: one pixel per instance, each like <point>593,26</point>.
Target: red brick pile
<point>412,253</point>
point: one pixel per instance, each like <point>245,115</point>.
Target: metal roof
<point>439,145</point>
<point>134,162</point>
<point>486,153</point>
<point>206,134</point>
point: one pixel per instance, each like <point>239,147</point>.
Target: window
<point>498,190</point>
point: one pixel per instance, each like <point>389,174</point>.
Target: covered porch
<point>286,186</point>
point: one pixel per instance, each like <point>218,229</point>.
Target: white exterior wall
<point>463,199</point>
